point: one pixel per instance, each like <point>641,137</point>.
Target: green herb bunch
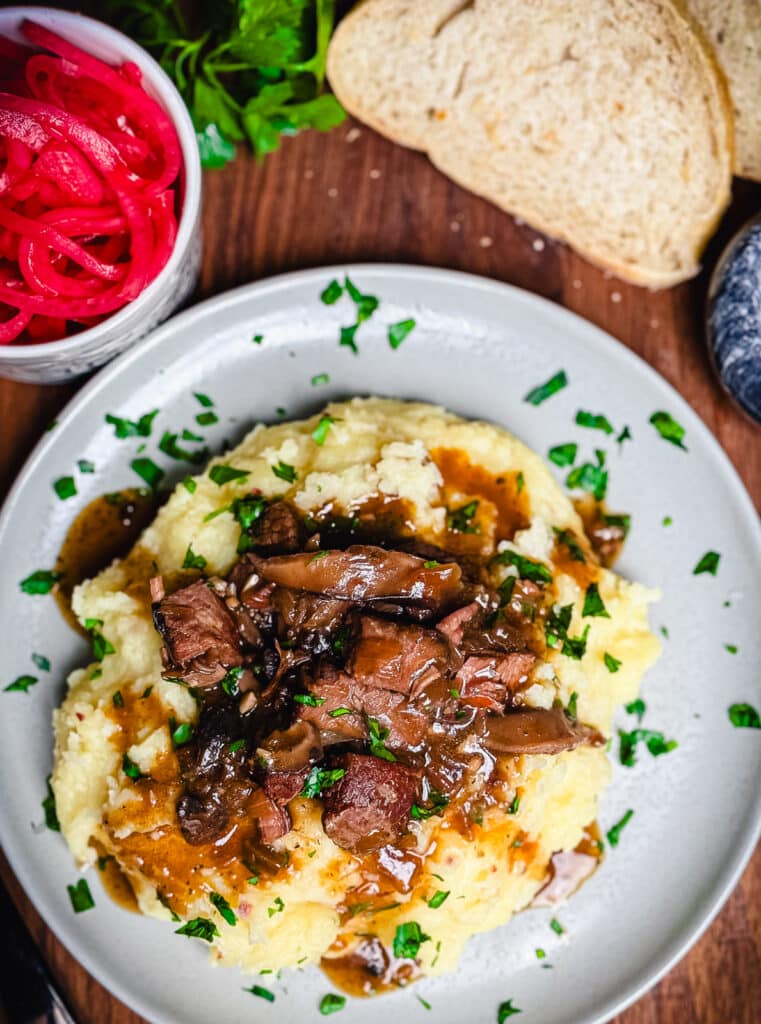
<point>248,69</point>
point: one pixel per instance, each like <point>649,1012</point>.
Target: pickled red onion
<point>88,187</point>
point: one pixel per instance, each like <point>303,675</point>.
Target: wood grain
<point>353,196</point>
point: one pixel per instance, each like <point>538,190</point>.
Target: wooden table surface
<point>354,196</point>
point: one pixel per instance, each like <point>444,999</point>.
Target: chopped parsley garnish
<point>437,899</point>
<point>708,563</point>
<point>340,712</point>
<point>21,685</point>
<point>667,521</point>
<point>320,433</point>
<point>169,446</point>
<point>366,304</point>
<point>284,472</point>
<point>557,927</point>
<point>665,632</point>
<point>192,560</point>
<point>188,435</point>
<point>43,663</point>
<point>576,646</point>
<point>625,435</point>
<point>544,391</point>
<point>572,709</point>
<point>377,736</point>
<point>637,707</point>
<point>527,568</point>
<point>460,520</point>
<point>320,378</point>
<point>668,428</point>
<point>563,454</point>
<point>85,466</point>
<point>655,742</point>
<point>207,419</point>
<point>263,993</point>
<point>347,338</point>
<point>590,478</point>
<point>130,769</point>
<point>65,487</point>
<point>49,808</point>
<point>147,470</point>
<point>614,834</point>
<point>408,939</point>
<point>189,484</point>
<point>567,539</point>
<point>556,630</point>
<point>398,332</point>
<point>436,803</point>
<point>431,564</point>
<point>744,716</point>
<point>117,700</point>
<point>80,896</point>
<point>593,604</point>
<point>520,481</point>
<point>309,699</point>
<point>332,293</point>
<point>731,648</point>
<point>221,474</point>
<point>236,745</point>
<point>146,692</point>
<point>540,954</point>
<point>595,421</point>
<point>332,1003</point>
<point>320,779</point>
<point>203,400</point>
<point>258,339</point>
<point>224,908</point>
<point>182,733</point>
<point>132,428</point>
<point>40,582</point>
<point>514,805</point>
<point>230,682</point>
<point>424,1003</point>
<point>506,1010</point>
<point>100,646</point>
<point>277,907</point>
<point>199,928</point>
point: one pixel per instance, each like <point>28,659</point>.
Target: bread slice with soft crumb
<point>604,123</point>
<point>734,28</point>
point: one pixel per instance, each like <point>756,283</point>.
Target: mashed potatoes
<point>433,462</point>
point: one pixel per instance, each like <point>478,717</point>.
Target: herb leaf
<point>567,539</point>
<point>708,563</point>
<point>148,471</point>
<point>593,604</point>
<point>595,421</point>
<point>527,568</point>
<point>320,432</point>
<point>637,707</point>
<point>21,685</point>
<point>544,391</point>
<point>506,1010</point>
<point>192,560</point>
<point>408,939</point>
<point>132,428</point>
<point>437,899</point>
<point>130,769</point>
<point>398,332</point>
<point>49,808</point>
<point>377,737</point>
<point>199,928</point>
<point>654,741</point>
<point>668,428</point>
<point>263,993</point>
<point>614,834</point>
<point>589,477</point>
<point>80,896</point>
<point>460,520</point>
<point>65,487</point>
<point>222,474</point>
<point>41,581</point>
<point>331,1003</point>
<point>285,472</point>
<point>563,454</point>
<point>436,803</point>
<point>332,293</point>
<point>224,908</point>
<point>744,716</point>
<point>320,779</point>
<point>612,664</point>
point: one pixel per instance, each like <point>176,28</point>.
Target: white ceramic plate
<point>478,348</point>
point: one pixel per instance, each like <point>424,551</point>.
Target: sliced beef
<point>404,722</point>
<point>291,749</point>
<point>278,531</point>
<point>485,681</point>
<point>365,573</point>
<point>272,820</point>
<point>202,819</point>
<point>281,787</point>
<point>397,657</point>
<point>200,635</point>
<point>370,806</point>
<point>535,731</point>
<point>453,625</point>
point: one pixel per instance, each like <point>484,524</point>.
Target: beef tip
<point>291,749</point>
<point>308,620</point>
<point>486,681</point>
<point>535,731</point>
<point>201,820</point>
<point>370,806</point>
<point>272,820</point>
<point>365,573</point>
<point>397,657</point>
<point>281,787</point>
<point>406,724</point>
<point>199,633</point>
<point>453,625</point>
<point>278,530</point>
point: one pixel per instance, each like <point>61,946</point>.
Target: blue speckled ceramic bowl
<point>734,319</point>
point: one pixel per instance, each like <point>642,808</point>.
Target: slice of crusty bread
<point>604,123</point>
<point>734,28</point>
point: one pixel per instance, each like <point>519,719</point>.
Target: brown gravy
<point>368,969</point>
<point>104,530</point>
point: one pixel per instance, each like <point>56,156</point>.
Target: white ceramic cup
<point>55,361</point>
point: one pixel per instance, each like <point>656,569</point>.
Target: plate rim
<point>702,916</point>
